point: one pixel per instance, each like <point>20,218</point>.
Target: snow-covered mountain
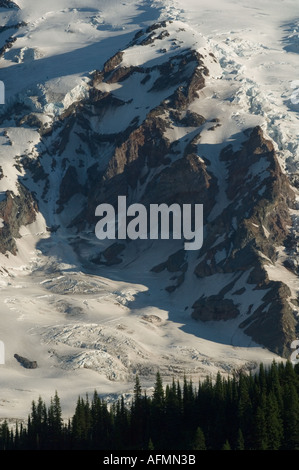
<point>163,102</point>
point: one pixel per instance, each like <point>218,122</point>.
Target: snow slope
<point>97,330</point>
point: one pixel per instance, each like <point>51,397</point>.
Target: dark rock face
<point>191,119</point>
<point>8,45</point>
<point>69,186</point>
<point>265,202</point>
<point>26,363</point>
<point>15,211</point>
<point>177,265</point>
<point>110,256</point>
<point>214,308</point>
<point>146,145</point>
<point>273,323</point>
<point>9,41</point>
<point>174,263</point>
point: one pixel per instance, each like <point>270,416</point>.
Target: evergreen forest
<point>248,411</point>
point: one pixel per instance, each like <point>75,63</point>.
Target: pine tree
<point>179,393</point>
<point>289,374</point>
<point>226,446</point>
<point>121,425</point>
<point>55,423</point>
<point>245,411</point>
<point>158,396</point>
<point>218,412</point>
<point>173,418</point>
<point>4,436</point>
<point>291,417</point>
<point>37,425</point>
<point>158,414</point>
<point>260,430</point>
<point>138,437</point>
<point>81,425</point>
<point>150,445</point>
<point>240,441</point>
<point>96,424</point>
<point>17,437</point>
<point>273,423</point>
<point>199,442</point>
<point>274,385</point>
<point>137,391</point>
<point>262,379</point>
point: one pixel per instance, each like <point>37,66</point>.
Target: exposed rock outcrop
<point>215,308</point>
<point>15,211</point>
<point>26,363</point>
<point>260,196</point>
<point>111,255</point>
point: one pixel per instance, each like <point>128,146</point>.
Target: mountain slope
<point>153,111</point>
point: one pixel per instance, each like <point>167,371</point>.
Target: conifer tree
<point>150,445</point>
<point>158,396</point>
<point>137,391</point>
<point>81,424</point>
<point>137,416</point>
<point>157,414</point>
<point>55,422</point>
<point>291,416</point>
<point>273,422</point>
<point>274,385</point>
<point>240,441</point>
<point>245,414</point>
<point>226,446</point>
<point>260,430</point>
<point>4,436</point>
<point>199,442</point>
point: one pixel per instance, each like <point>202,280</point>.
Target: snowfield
<point>92,332</point>
<point>94,327</point>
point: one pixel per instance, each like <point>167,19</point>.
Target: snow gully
<point>134,222</point>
